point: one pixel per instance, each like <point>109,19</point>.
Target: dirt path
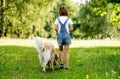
<point>75,43</point>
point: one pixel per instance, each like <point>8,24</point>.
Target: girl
<point>63,27</point>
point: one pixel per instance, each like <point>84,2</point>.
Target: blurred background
<point>93,19</point>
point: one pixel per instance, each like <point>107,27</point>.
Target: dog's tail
<point>38,43</point>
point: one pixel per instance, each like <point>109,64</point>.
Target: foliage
<point>100,19</point>
<point>86,63</point>
<point>29,18</point>
<point>21,16</point>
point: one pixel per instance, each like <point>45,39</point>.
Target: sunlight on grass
<point>86,63</point>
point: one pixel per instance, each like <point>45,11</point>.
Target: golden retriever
<point>46,53</point>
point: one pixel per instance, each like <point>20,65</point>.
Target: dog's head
<point>55,59</point>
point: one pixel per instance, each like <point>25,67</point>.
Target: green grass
<point>86,63</point>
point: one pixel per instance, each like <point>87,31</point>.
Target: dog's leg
<point>52,62</point>
<point>40,59</point>
<point>45,62</point>
<point>49,64</point>
<point>42,62</point>
<point>44,67</point>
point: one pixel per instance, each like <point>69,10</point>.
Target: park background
<point>93,19</point>
<point>95,48</point>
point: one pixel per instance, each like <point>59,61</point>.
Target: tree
<point>20,16</point>
<point>2,10</point>
<point>98,20</point>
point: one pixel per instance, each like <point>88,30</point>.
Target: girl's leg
<point>61,54</point>
<point>66,50</point>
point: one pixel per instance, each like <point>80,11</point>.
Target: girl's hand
<point>71,28</point>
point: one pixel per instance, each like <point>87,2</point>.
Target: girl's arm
<point>56,27</point>
<point>71,28</point>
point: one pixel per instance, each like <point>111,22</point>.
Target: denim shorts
<point>63,39</point>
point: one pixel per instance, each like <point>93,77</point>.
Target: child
<point>63,27</point>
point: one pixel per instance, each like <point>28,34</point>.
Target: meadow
<point>21,62</point>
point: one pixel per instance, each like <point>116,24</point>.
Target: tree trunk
<point>2,24</point>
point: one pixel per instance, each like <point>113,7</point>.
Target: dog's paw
<point>43,70</point>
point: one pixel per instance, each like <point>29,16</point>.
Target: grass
<point>18,62</point>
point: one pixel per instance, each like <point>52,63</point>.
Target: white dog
<point>46,53</point>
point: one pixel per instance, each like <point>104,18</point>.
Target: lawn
<point>19,62</point>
